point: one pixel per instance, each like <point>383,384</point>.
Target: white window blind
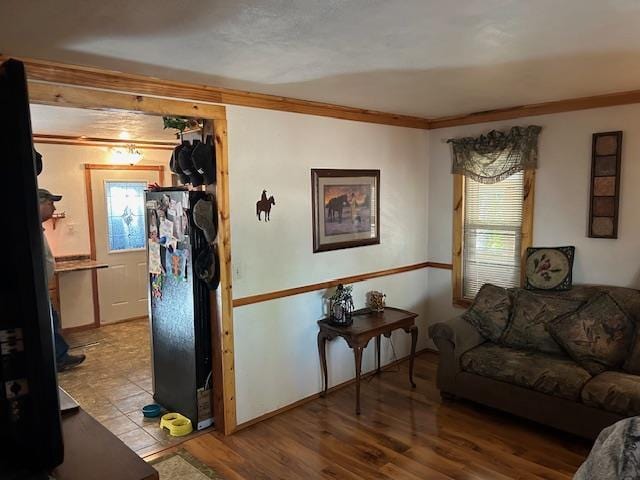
<point>492,233</point>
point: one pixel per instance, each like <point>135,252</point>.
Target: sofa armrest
<point>452,338</point>
<point>461,334</point>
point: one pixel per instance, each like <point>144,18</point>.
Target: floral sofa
<point>567,359</point>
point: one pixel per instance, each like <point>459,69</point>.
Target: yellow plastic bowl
<point>177,425</point>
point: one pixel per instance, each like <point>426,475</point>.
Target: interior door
<point>120,241</point>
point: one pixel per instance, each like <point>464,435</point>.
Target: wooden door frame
<point>80,93</point>
<point>88,167</point>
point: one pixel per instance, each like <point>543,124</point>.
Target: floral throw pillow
<point>532,313</point>
<point>549,268</point>
<point>490,311</point>
<point>598,336</point>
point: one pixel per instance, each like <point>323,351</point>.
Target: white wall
<point>275,342</point>
<point>561,198</point>
<point>63,174</point>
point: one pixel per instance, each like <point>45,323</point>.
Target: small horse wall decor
<point>264,205</point>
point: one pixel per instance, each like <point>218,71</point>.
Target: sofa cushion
<point>531,315</point>
<point>598,336</point>
<point>550,374</point>
<point>616,392</point>
<point>490,311</point>
<point>628,299</point>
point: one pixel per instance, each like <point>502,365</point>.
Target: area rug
<point>181,465</point>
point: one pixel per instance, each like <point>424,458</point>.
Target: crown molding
<point>47,71</point>
<point>545,108</point>
<point>90,77</point>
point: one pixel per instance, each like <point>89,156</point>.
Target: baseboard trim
<point>79,328</point>
<point>310,398</point>
<point>90,326</point>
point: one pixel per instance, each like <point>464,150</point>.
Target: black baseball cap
<point>44,194</point>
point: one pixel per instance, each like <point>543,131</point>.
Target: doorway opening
<point>104,288</point>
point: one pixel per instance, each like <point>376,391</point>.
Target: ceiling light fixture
<point>128,155</point>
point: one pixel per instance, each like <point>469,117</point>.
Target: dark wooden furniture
<point>366,325</point>
<point>92,451</point>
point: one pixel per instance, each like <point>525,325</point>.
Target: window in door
<point>125,215</point>
<point>492,229</point>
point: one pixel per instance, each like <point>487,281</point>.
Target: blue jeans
<point>61,346</point>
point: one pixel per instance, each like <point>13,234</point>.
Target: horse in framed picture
<point>334,208</point>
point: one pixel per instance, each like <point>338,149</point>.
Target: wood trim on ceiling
<point>545,108</point>
<point>55,139</point>
<point>96,78</point>
<point>46,71</point>
<point>112,166</point>
<point>83,96</point>
<point>265,297</point>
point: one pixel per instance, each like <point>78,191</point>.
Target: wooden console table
<point>366,325</point>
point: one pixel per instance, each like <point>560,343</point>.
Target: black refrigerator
<point>179,306</point>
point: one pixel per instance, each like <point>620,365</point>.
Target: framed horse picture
<point>346,208</point>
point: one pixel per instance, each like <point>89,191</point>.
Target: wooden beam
<point>111,166</point>
<point>46,71</point>
<point>546,108</point>
<point>83,97</point>
<point>100,142</point>
<point>225,307</point>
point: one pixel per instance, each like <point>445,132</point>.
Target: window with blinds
<point>492,233</point>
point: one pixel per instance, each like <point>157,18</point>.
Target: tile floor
<point>114,383</point>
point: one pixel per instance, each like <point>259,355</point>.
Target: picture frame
<point>604,198</point>
<point>345,208</point>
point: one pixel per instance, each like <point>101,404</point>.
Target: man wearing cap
<point>64,360</point>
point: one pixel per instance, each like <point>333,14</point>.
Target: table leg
<point>414,340</point>
<point>378,338</point>
<point>357,353</point>
<point>322,342</point>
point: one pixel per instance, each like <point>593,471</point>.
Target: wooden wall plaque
<point>606,158</point>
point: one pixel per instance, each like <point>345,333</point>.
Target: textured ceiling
<point>420,57</point>
<point>117,125</point>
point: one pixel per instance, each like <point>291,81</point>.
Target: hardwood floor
<point>401,434</point>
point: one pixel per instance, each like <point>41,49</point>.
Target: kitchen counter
<point>77,265</point>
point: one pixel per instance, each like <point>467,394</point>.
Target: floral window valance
<point>497,155</point>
